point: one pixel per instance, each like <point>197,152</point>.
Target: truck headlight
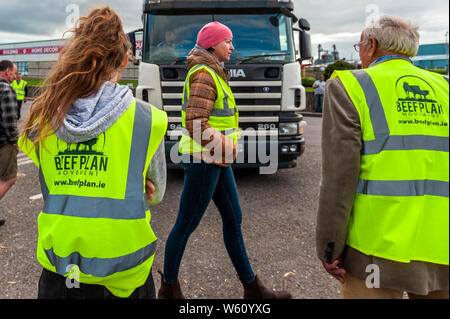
<point>289,128</point>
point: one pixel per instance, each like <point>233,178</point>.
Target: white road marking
<point>36,197</point>
<point>23,159</point>
<point>24,162</point>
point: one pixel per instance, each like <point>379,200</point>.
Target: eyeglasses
<point>357,45</point>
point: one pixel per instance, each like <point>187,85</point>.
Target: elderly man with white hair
<point>382,223</point>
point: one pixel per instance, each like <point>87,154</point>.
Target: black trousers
<point>53,286</point>
<point>19,106</point>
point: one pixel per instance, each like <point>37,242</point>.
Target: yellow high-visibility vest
<point>96,215</point>
<point>401,207</point>
<point>224,116</point>
<point>20,89</point>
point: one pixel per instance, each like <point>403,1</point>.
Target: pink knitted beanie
<point>213,33</point>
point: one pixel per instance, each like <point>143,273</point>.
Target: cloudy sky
<point>336,22</point>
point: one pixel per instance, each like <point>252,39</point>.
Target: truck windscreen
<point>258,38</point>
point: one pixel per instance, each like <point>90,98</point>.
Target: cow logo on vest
<point>85,158</point>
<point>416,97</point>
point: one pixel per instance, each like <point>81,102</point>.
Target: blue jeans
<point>318,102</point>
<point>203,182</point>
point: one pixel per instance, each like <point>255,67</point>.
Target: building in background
<point>432,56</point>
<point>35,59</point>
<point>324,57</point>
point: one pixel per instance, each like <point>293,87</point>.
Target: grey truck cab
<point>264,67</point>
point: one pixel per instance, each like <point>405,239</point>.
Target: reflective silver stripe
<point>44,188</point>
<point>383,139</point>
<point>101,267</point>
<point>226,106</point>
<point>134,205</point>
<point>377,116</point>
<point>408,142</point>
<point>22,88</point>
<point>138,154</point>
<point>403,188</point>
<point>185,97</point>
<point>196,68</point>
<point>223,112</point>
<point>93,207</point>
<point>446,78</point>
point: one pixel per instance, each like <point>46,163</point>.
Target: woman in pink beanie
<point>212,34</point>
<point>208,148</point>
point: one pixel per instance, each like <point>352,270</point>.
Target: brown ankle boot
<point>256,290</point>
<point>169,291</point>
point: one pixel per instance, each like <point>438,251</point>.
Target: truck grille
<point>249,96</point>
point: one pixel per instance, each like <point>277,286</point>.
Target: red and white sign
<point>36,50</point>
<point>138,45</point>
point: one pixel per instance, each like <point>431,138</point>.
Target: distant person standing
<point>8,128</point>
<point>21,88</point>
<point>319,87</point>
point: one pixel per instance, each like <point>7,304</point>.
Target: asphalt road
<point>278,226</point>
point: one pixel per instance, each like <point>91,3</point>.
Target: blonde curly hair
<point>93,54</point>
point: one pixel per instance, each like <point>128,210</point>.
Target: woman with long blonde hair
<point>101,162</point>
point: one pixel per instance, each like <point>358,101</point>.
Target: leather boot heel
<point>167,291</point>
<point>256,290</point>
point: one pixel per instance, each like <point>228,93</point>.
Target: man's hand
<point>335,270</point>
<point>149,189</point>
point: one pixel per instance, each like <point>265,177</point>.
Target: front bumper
<point>253,153</point>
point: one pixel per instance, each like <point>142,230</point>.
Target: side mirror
<point>305,46</point>
<point>304,40</point>
<point>304,24</point>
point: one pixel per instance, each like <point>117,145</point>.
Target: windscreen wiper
<point>180,59</point>
<point>261,56</point>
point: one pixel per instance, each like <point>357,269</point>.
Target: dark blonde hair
<point>93,55</point>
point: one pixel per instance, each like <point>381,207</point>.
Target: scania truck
<point>270,44</point>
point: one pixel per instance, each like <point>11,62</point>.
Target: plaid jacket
<point>8,114</point>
